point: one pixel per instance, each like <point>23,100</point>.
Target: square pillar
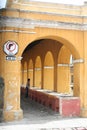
<point>12,77</point>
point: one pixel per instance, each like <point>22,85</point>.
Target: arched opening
<point>50,68</point>
<point>38,72</point>
<point>63,70</point>
<point>48,71</point>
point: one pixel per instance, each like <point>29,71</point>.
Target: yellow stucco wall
<point>58,25</point>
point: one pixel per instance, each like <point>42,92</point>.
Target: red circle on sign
<point>11,46</point>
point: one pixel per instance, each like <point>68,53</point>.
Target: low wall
<point>67,106</point>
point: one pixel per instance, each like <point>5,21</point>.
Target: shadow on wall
<point>1,98</point>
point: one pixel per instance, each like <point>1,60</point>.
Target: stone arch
<point>61,39</point>
<point>63,70</point>
<point>66,43</point>
<point>48,71</point>
<point>64,55</point>
<point>38,72</point>
<point>78,66</point>
<point>64,40</point>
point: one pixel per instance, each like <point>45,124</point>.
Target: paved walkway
<point>38,117</point>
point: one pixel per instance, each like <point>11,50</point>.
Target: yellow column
<point>12,110</point>
<point>55,75</point>
<point>84,85</point>
<point>77,72</point>
<point>83,92</point>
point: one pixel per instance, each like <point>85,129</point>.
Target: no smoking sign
<point>10,48</point>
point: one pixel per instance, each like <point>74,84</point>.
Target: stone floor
<point>38,113</point>
<point>39,117</point>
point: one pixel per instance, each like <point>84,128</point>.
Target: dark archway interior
<point>31,45</point>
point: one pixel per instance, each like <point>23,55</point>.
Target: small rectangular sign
<point>11,58</point>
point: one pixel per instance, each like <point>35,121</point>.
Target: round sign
<point>10,48</point>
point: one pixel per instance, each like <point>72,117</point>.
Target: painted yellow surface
<point>60,31</point>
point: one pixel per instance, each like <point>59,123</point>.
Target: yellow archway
<point>38,72</point>
<point>63,70</point>
<point>48,71</point>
